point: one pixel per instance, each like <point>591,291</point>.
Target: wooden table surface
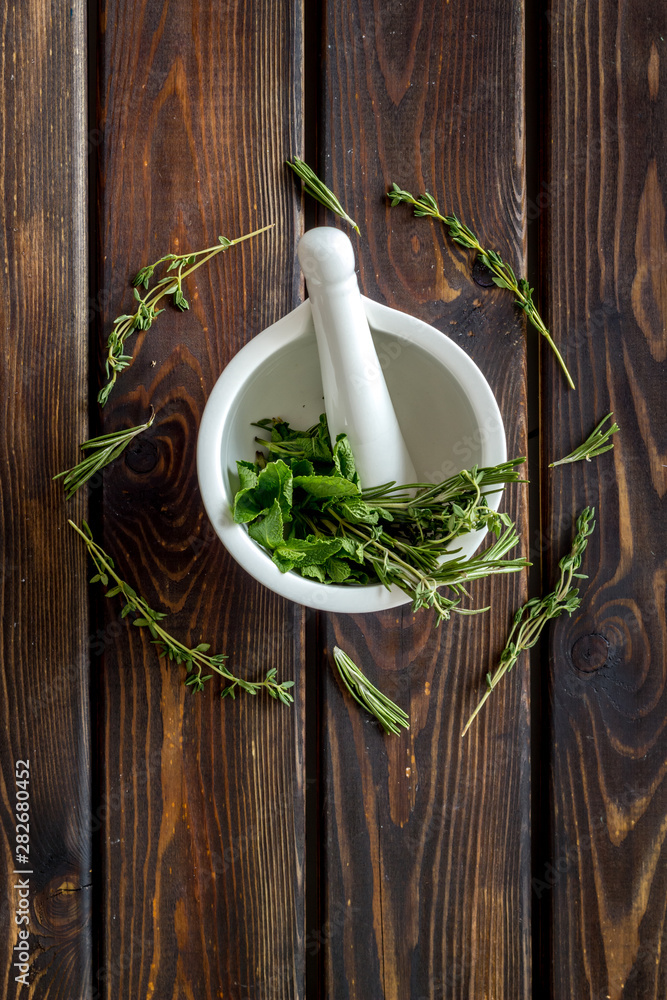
<point>187,847</point>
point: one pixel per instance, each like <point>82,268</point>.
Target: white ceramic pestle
<point>356,398</point>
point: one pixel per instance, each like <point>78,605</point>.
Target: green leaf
<point>357,512</point>
<point>314,571</point>
<point>500,282</point>
<point>353,548</point>
<point>326,486</point>
<point>344,459</point>
<point>302,467</point>
<point>309,551</point>
<point>269,531</point>
<point>247,507</point>
<point>283,562</point>
<point>337,569</point>
<point>247,475</point>
<point>273,483</point>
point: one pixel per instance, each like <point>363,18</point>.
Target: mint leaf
<point>326,486</point>
<point>317,572</point>
<point>337,569</point>
<point>353,549</point>
<point>273,483</point>
<point>309,551</point>
<point>247,475</point>
<point>344,459</point>
<point>357,512</point>
<point>269,531</point>
<point>283,562</point>
<point>302,467</point>
<point>247,507</point>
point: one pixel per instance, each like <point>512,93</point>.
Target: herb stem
<point>502,274</point>
<point>104,450</point>
<point>195,658</point>
<point>533,616</point>
<point>595,444</point>
<point>116,360</point>
<point>318,190</point>
<point>388,714</point>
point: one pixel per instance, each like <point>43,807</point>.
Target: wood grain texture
<point>426,853</point>
<point>44,713</point>
<point>603,249</point>
<point>202,800</point>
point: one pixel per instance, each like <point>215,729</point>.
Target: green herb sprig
<point>502,274</point>
<point>388,714</point>
<point>533,616</point>
<point>318,190</point>
<point>103,450</point>
<point>595,444</point>
<point>196,659</point>
<point>307,508</point>
<point>124,326</point>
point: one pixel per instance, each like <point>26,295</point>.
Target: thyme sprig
<point>595,444</point>
<point>502,274</point>
<point>318,189</point>
<point>142,319</point>
<point>103,451</point>
<point>533,616</point>
<point>196,659</point>
<point>388,714</point>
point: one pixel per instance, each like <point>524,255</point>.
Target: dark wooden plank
<point>426,850</point>
<point>203,848</point>
<point>44,714</point>
<point>603,251</point>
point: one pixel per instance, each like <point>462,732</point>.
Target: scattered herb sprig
<point>596,444</point>
<point>502,274</point>
<point>307,508</point>
<point>196,659</point>
<point>184,264</point>
<point>533,616</point>
<point>103,451</point>
<point>318,189</point>
<point>388,714</point>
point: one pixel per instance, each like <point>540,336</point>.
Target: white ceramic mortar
<point>445,408</point>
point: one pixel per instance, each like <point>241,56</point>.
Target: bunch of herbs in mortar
<point>307,508</point>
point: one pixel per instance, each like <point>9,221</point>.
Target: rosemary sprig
<point>124,326</point>
<point>389,715</point>
<point>533,616</point>
<point>502,274</point>
<point>103,451</point>
<point>595,444</point>
<point>416,569</point>
<point>318,190</point>
<point>196,659</point>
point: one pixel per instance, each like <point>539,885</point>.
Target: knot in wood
<point>481,274</point>
<point>142,456</point>
<point>590,652</point>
